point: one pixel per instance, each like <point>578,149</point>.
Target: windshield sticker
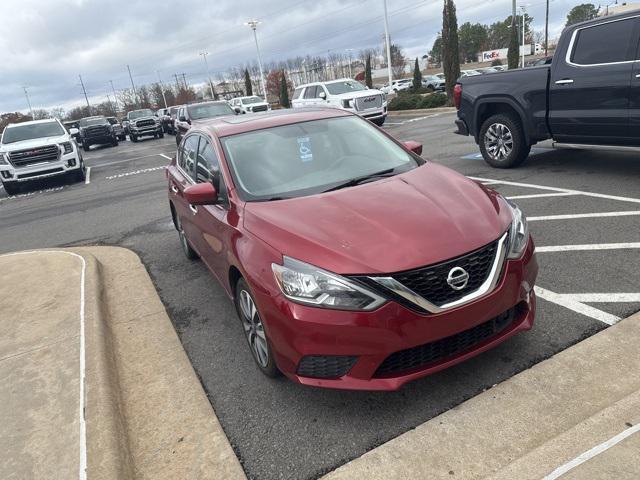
<point>304,147</point>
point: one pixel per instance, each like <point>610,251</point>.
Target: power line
<point>84,90</point>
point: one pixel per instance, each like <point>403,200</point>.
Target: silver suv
<point>35,150</point>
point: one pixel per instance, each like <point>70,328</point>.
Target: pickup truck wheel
<point>133,138</point>
<point>161,135</point>
<point>86,147</point>
<point>502,142</point>
<point>11,189</point>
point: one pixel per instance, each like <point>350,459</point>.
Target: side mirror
<point>415,147</point>
<point>201,194</point>
<point>74,131</point>
<point>323,95</point>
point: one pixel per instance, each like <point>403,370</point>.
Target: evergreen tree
<point>514,47</point>
<point>284,92</point>
<point>367,72</point>
<point>247,83</point>
<point>451,55</point>
<point>417,76</point>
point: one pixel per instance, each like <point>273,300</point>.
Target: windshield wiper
<point>389,172</point>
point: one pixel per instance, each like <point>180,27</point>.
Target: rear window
<point>591,49</point>
<point>209,110</point>
<point>29,132</point>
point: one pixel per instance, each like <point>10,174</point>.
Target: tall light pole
<point>164,98</point>
<point>115,97</point>
<point>135,95</point>
<point>546,32</point>
<point>253,24</point>
<point>350,62</point>
<point>204,55</point>
<point>84,90</point>
<point>524,14</point>
<point>26,94</point>
<point>388,40</point>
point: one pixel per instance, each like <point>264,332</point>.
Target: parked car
<point>35,150</point>
<point>249,104</point>
<point>469,73</point>
<point>345,94</point>
<point>397,86</point>
<point>144,123</point>
<point>187,114</point>
<point>117,128</point>
<point>342,248</point>
<point>433,82</point>
<point>168,118</point>
<point>485,70</point>
<point>96,131</point>
<point>75,125</point>
<point>585,97</point>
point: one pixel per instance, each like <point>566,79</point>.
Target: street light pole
<point>546,32</point>
<point>253,24</point>
<point>388,41</point>
<point>115,97</point>
<point>26,94</point>
<point>204,55</point>
<point>350,62</point>
<point>524,14</point>
<point>135,95</point>
<point>84,90</point>
<point>164,98</point>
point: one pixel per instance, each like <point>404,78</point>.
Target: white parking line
<point>585,215</point>
<point>555,189</point>
<point>135,172</point>
<point>31,194</point>
<point>604,297</point>
<point>542,195</point>
<point>595,246</point>
<point>127,160</point>
<point>567,302</point>
<point>165,156</point>
<point>87,178</point>
<point>589,454</point>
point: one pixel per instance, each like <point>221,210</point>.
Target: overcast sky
<point>46,44</point>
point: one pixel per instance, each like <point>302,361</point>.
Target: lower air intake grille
<point>321,366</point>
<point>429,353</point>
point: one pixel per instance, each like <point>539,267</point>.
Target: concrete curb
<point>534,424</point>
<point>420,111</point>
<point>147,414</point>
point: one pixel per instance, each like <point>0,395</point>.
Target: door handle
<point>193,208</point>
<point>566,81</point>
<point>174,189</point>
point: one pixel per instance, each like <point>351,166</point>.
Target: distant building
<point>618,8</point>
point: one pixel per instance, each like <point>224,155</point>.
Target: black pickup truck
<point>589,95</point>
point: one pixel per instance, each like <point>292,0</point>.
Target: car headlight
<point>519,233</point>
<point>3,159</point>
<point>347,103</point>
<point>67,148</point>
<point>304,283</point>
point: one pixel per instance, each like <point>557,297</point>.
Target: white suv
<point>345,94</point>
<point>249,104</point>
<point>398,85</point>
<point>35,150</point>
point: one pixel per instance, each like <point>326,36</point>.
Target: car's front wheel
<point>133,138</point>
<point>502,142</point>
<point>85,146</point>
<point>254,329</point>
<point>12,188</point>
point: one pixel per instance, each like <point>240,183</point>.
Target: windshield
<point>310,157</point>
<point>140,113</point>
<point>112,120</point>
<point>337,88</point>
<point>250,100</point>
<point>209,110</point>
<point>29,132</point>
<point>87,122</point>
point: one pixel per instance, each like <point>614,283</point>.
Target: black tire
<point>502,141</point>
<point>189,252</point>
<point>122,138</point>
<point>379,121</point>
<point>259,344</point>
<point>133,138</point>
<point>11,189</point>
<point>178,139</point>
<point>85,147</point>
<point>80,175</point>
<point>161,135</point>
<point>114,142</point>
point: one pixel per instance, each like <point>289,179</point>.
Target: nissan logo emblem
<point>457,278</point>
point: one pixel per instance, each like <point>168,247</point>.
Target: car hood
<point>418,218</point>
<point>36,142</point>
<point>142,118</point>
<point>358,94</point>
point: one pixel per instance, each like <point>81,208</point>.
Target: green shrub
<point>412,101</point>
<point>434,100</point>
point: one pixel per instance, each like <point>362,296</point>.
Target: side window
<point>297,93</point>
<point>208,169</point>
<point>188,154</point>
<point>310,92</point>
<point>591,49</point>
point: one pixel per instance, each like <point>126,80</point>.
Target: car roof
<point>234,125</point>
<point>32,122</point>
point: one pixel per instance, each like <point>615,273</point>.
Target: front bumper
<point>145,131</point>
<point>297,331</point>
<point>66,164</point>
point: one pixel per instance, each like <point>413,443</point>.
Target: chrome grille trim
<point>30,156</point>
<point>369,102</point>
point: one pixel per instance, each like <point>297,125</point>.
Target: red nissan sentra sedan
<point>353,263</point>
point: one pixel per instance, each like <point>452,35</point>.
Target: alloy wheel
<point>253,328</point>
<point>498,141</point>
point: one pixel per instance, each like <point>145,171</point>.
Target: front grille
<point>323,366</point>
<point>365,103</point>
<point>429,353</point>
<point>146,123</point>
<point>96,131</point>
<point>431,282</point>
<point>22,158</point>
<point>260,108</point>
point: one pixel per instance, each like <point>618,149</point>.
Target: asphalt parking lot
<point>583,208</point>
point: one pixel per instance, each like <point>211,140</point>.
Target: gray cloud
<point>45,44</point>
